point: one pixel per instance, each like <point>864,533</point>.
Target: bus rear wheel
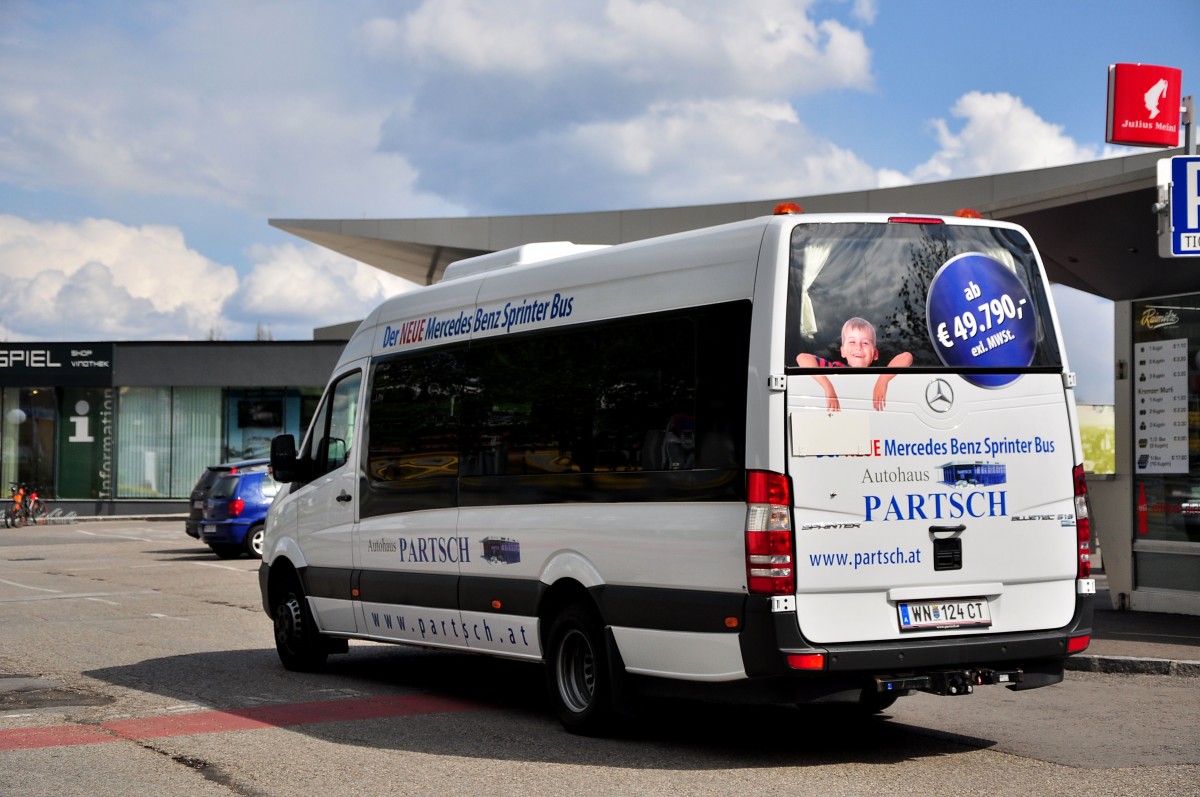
<point>578,680</point>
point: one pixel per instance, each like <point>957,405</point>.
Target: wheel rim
<point>576,669</point>
<point>256,542</point>
<point>289,624</point>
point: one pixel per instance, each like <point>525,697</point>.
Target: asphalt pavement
<point>1123,641</point>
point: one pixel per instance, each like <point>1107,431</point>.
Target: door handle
<point>344,497</point>
<point>951,530</point>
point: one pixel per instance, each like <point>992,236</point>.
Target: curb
<point>164,518</point>
<point>1132,665</point>
<point>99,518</point>
<point>71,519</point>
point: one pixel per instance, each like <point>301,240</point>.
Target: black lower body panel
<point>768,638</point>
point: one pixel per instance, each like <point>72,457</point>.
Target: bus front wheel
<point>297,641</point>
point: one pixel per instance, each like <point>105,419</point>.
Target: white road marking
<point>27,586</point>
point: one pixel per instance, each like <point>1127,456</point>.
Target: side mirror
<point>284,464</point>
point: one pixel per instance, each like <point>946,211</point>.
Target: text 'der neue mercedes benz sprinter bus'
<point>797,458</point>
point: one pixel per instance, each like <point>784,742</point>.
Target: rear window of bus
<point>937,291</point>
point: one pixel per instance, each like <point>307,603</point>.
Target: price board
<point>1161,406</point>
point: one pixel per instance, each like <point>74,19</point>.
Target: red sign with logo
<point>1143,105</point>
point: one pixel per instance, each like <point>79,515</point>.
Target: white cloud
<point>293,289</point>
<point>101,280</point>
<point>266,108</point>
<point>205,104</point>
<point>454,107</point>
<point>866,10</point>
<point>582,105</point>
<point>999,134</point>
<point>678,49</point>
<point>97,277</point>
<point>695,152</point>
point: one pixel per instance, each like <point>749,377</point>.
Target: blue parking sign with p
<point>1185,205</point>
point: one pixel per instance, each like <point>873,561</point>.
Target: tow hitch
<point>947,682</point>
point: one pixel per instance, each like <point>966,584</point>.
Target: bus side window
<point>334,428</point>
<point>333,453</point>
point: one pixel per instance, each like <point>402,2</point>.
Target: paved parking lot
<point>136,662</point>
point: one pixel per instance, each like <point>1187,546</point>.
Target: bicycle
<point>26,506</point>
<point>35,508</point>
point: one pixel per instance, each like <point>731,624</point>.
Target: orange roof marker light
<point>968,213</point>
<point>784,208</point>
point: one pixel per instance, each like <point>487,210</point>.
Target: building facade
<point>111,428</point>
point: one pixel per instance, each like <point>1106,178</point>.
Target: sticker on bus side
<point>485,319</point>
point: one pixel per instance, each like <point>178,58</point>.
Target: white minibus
<point>799,458</point>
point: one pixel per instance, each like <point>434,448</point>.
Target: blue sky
<point>144,145</point>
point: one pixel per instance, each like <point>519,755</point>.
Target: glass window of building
<point>1166,444</point>
<point>27,438</point>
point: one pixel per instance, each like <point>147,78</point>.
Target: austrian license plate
<point>962,613</point>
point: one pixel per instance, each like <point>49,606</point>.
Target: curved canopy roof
<point>1091,221</point>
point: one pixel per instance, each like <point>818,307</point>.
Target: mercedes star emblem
<point>939,395</point>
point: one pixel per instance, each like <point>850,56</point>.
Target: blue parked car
<point>234,513</point>
<point>205,483</point>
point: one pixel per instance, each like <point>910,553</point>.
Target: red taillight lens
<point>1076,644</point>
<point>769,549</point>
<point>1083,523</point>
<point>806,661</point>
<point>764,487</point>
<point>915,220</point>
<point>236,506</point>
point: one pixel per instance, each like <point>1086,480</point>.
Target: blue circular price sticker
<point>980,316</point>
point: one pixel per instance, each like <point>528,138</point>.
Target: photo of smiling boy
<point>858,351</point>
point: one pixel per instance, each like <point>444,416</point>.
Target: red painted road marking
<point>52,736</point>
<point>240,719</point>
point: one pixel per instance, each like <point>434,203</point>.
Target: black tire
<point>14,518</point>
<point>38,512</point>
<point>226,551</point>
<point>253,543</point>
<point>577,676</point>
<point>300,647</point>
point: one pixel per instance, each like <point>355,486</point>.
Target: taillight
<point>1083,524</point>
<point>769,555</point>
<point>806,661</point>
<point>914,220</point>
<point>236,506</point>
